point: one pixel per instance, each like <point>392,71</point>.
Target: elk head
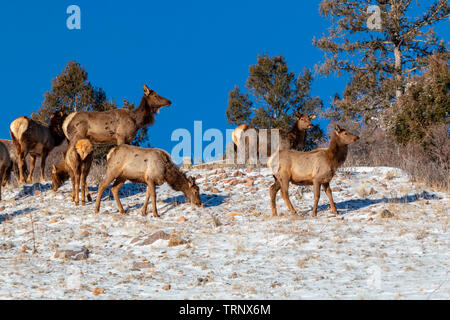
<point>56,180</point>
<point>193,192</point>
<point>344,136</point>
<point>304,121</point>
<point>154,100</point>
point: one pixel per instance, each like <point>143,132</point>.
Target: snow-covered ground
<point>235,250</point>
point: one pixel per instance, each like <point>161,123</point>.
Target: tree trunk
<point>398,71</point>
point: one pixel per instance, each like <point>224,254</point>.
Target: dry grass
<point>429,165</point>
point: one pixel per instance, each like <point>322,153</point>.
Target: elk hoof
<point>83,203</point>
<point>89,198</point>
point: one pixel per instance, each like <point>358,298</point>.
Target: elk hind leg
<point>273,196</point>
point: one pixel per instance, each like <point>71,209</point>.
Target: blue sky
<point>192,52</point>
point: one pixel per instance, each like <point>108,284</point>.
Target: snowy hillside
<point>390,241</point>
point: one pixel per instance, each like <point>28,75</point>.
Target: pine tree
<point>424,104</point>
<point>275,97</point>
<point>71,91</point>
<point>377,61</point>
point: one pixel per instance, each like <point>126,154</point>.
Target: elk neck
<point>337,151</point>
<point>143,115</point>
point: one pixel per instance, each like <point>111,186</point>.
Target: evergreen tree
<point>424,104</point>
<point>71,91</point>
<point>275,97</point>
<point>377,61</point>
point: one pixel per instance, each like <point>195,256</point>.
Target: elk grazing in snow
<point>76,164</point>
<point>5,166</point>
<point>32,137</point>
<point>292,139</point>
<point>152,167</point>
<point>116,126</point>
<point>316,168</point>
<point>14,160</point>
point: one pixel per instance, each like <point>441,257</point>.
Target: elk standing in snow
<point>14,160</point>
<point>116,126</point>
<point>76,164</point>
<point>32,137</point>
<point>292,139</point>
<point>5,166</point>
<point>152,167</point>
<point>315,168</point>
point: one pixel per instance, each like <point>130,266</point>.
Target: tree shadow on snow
<point>345,207</point>
<point>9,216</point>
<point>30,190</point>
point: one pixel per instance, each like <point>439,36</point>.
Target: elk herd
<point>154,167</point>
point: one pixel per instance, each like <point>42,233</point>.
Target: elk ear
<point>337,128</point>
<point>146,90</point>
<point>53,168</point>
<point>313,116</point>
<point>191,181</point>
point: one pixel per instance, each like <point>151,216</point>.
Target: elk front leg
<point>32,163</point>
<point>316,187</point>
<point>115,191</point>
<point>273,196</point>
<point>77,189</point>
<point>330,197</point>
<point>151,193</point>
<point>101,188</point>
<point>153,196</point>
<point>83,187</point>
<point>285,195</point>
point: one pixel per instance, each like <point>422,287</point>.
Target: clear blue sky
<point>192,52</point>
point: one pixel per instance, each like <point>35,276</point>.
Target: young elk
<point>5,166</point>
<point>292,139</point>
<point>116,126</point>
<point>76,164</point>
<point>315,168</point>
<point>32,137</point>
<point>152,167</point>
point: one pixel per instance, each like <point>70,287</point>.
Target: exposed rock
<point>249,183</point>
<point>6,245</point>
<point>386,214</point>
<point>176,241</point>
<point>181,219</point>
<point>167,287</point>
<point>143,265</point>
<point>143,241</point>
<point>72,253</point>
<point>98,291</point>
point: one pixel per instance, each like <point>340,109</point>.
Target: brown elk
<point>76,164</point>
<point>316,168</point>
<point>5,166</point>
<point>152,167</point>
<point>292,139</point>
<point>14,160</point>
<point>32,137</point>
<point>116,126</point>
